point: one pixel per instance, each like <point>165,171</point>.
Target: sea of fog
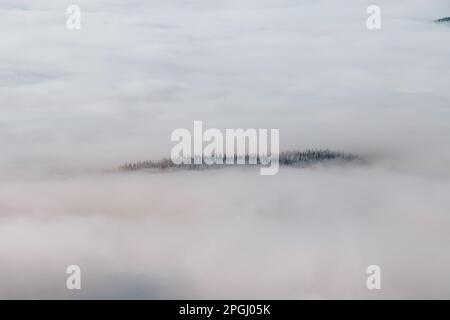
<point>75,105</point>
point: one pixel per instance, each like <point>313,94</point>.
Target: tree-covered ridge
<point>442,20</point>
<point>286,158</point>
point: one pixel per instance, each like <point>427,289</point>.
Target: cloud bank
<point>76,104</point>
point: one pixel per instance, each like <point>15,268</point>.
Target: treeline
<point>442,20</point>
<point>286,158</point>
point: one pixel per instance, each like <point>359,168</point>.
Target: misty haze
<point>80,106</point>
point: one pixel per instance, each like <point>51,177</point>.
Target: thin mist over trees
<point>286,158</point>
<point>443,20</point>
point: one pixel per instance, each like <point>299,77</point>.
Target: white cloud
<point>74,103</point>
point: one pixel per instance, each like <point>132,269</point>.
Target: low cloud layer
<point>76,104</point>
<point>305,233</point>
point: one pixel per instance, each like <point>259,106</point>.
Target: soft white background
<point>76,104</point>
